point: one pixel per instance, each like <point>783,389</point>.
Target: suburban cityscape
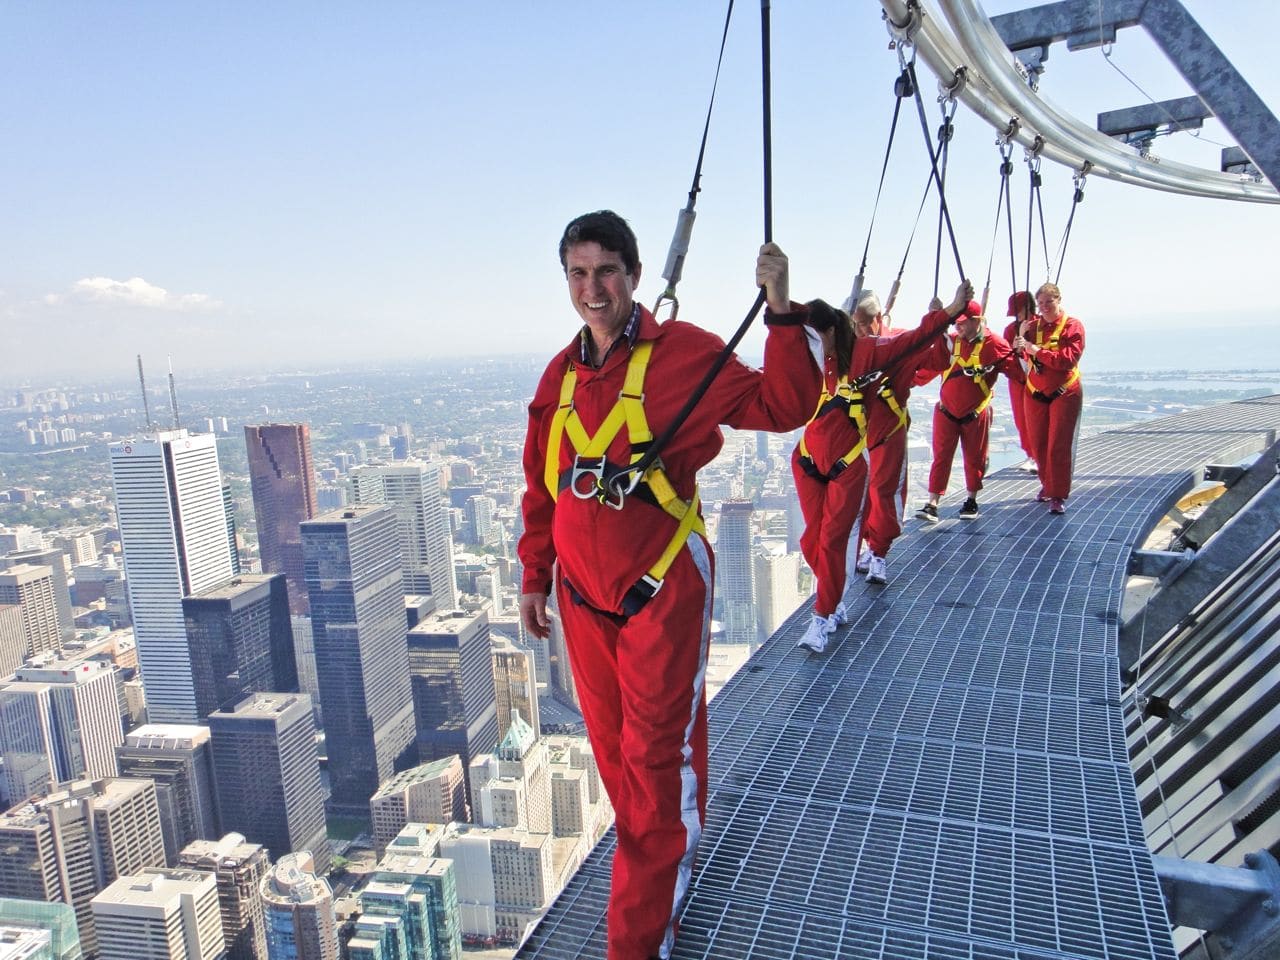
<point>267,691</point>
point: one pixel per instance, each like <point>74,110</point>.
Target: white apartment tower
<point>412,489</point>
<point>31,586</point>
<point>160,914</point>
<point>173,527</point>
<point>59,721</point>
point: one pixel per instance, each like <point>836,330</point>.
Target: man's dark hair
<point>607,229</point>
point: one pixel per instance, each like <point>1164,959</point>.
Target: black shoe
<point>928,512</point>
<point>970,509</point>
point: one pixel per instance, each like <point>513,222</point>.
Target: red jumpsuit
<point>1053,399</point>
<point>640,679</point>
<point>1017,394</point>
<point>887,436</point>
<point>830,507</point>
<point>955,416</point>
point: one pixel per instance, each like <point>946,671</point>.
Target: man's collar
<point>629,333</point>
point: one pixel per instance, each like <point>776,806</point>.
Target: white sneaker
<point>815,638</point>
<point>877,570</point>
<point>864,559</point>
<point>841,615</point>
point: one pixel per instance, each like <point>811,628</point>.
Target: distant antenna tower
<point>173,396</point>
<point>142,382</point>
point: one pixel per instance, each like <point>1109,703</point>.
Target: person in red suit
<point>969,361</point>
<point>1021,308</point>
<point>888,425</point>
<point>830,464</point>
<point>632,567</point>
<point>1051,345</point>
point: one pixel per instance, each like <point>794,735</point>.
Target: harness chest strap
<point>971,368</point>
<point>1051,343</point>
<point>628,410</point>
<point>852,399</point>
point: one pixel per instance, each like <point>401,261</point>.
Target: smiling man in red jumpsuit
<point>634,572</point>
<point>1051,345</point>
<point>969,360</point>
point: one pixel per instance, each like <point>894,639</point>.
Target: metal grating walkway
<point>951,781</point>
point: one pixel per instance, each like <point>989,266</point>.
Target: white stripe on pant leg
<point>688,776</point>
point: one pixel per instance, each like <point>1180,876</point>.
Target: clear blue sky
<point>292,184</point>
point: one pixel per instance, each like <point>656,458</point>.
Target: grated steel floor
<point>951,780</point>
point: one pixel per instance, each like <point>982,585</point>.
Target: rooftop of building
<point>167,736</point>
<point>451,622</point>
<point>264,705</point>
<point>237,586</point>
<point>419,774</point>
<point>153,887</point>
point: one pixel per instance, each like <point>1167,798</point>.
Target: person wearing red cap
<point>969,360</point>
<point>1022,309</point>
<point>830,463</point>
<point>1051,345</point>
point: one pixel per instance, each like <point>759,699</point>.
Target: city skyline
<point>322,191</point>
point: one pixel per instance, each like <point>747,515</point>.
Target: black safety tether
<point>902,89</point>
<point>625,481</point>
<point>933,164</point>
<point>1034,203</point>
<point>679,249</point>
<point>1002,195</point>
<point>1077,198</point>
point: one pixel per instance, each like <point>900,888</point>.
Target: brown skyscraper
<point>284,495</point>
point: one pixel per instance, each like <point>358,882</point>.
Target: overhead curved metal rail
<point>959,34</point>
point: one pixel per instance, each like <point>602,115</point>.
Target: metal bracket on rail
<point>1239,907</point>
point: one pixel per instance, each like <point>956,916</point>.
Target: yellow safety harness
<point>1051,343</point>
<point>588,477</point>
<point>850,398</point>
<point>975,371</point>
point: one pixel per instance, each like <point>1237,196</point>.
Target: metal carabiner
<point>592,467</point>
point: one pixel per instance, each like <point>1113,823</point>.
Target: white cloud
<point>134,292</point>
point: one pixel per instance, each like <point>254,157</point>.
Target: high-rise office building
<point>283,479</point>
<point>454,700</point>
<point>239,867</point>
<point>432,792</point>
<point>411,860</point>
<point>777,586</point>
<point>13,638</point>
<point>178,759</point>
<point>515,679</point>
<point>55,559</point>
<point>267,774</point>
<point>160,914</point>
<point>412,490</point>
<point>736,572</point>
<point>505,878</point>
<point>240,640</point>
<point>30,930</point>
<point>31,587</point>
<point>298,908</point>
<point>229,508</point>
<point>355,586</point>
<point>304,653</point>
<point>512,786</point>
<point>70,844</point>
<point>59,721</point>
<point>409,910</point>
<point>173,527</point>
